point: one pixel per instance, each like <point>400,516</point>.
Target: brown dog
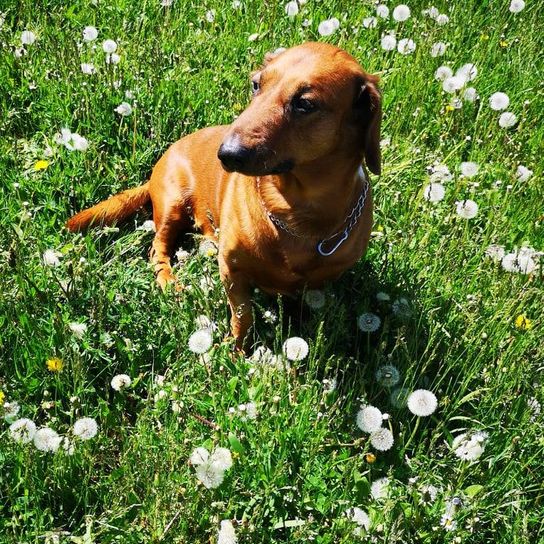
<point>281,191</point>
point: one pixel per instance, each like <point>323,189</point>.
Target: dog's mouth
<point>262,169</point>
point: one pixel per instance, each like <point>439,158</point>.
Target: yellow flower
<point>370,458</point>
<point>449,107</point>
<point>485,37</point>
<point>54,364</point>
<point>41,165</point>
<point>503,43</point>
<point>2,397</point>
<point>523,323</point>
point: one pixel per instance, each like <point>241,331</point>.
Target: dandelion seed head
<point>369,419</point>
<point>495,252</point>
<point>328,27</point>
<point>226,534</point>
<point>22,430</point>
<point>46,439</point>
<point>499,101</point>
<point>443,72</point>
<point>523,173</point>
<point>453,83</point>
<point>401,13</point>
<point>406,46</point>
<point>295,348</point>
<point>109,46</point>
<point>210,476</point>
<point>90,33</point>
<point>388,375</point>
<point>120,381</point>
<point>516,6</point>
<point>87,68</point>
<point>221,458</point>
<point>468,72</point>
<point>382,439</point>
<point>469,169</point>
<point>470,95</point>
<point>438,49</point>
<point>434,192</point>
<point>442,19</point>
<point>382,11</point>
<point>369,322</point>
<point>200,341</point>
<point>360,517</point>
<point>199,456</point>
<point>388,42</point>
<point>422,402</point>
<point>314,298</point>
<point>507,119</point>
<point>50,257</point>
<point>28,37</point>
<point>78,329</point>
<point>85,428</point>
<point>291,8</point>
<point>380,488</point>
<point>370,22</point>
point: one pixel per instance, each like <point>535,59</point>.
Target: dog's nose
<point>233,155</point>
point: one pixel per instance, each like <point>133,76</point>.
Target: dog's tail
<point>111,211</point>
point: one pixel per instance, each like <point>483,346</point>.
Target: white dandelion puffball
<point>495,252</point>
<point>453,83</point>
<point>148,226</point>
<point>469,169</point>
<point>470,95</point>
<point>78,329</point>
<point>85,428</point>
<point>523,173</point>
<point>291,9</point>
<point>401,308</point>
<point>360,517</point>
<point>499,101</point>
<point>90,34</point>
<point>369,322</point>
<point>438,49</point>
<point>22,430</point>
<point>467,71</point>
<point>295,348</point>
<point>46,439</point>
<point>516,6</point>
<point>382,11</point>
<point>388,42</point>
<point>467,209</point>
<point>432,12</point>
<point>199,456</point>
<point>469,447</point>
<point>380,488</point>
<point>87,68</point>
<point>520,262</point>
<point>124,109</point>
<point>109,46</point>
<point>226,533</point>
<point>210,476</point>
<point>507,119</point>
<point>369,419</point>
<point>11,410</point>
<point>442,19</point>
<point>114,58</point>
<point>51,258</point>
<point>388,375</point>
<point>120,381</point>
<point>428,493</point>
<point>210,16</point>
<point>221,458</point>
<point>370,22</point>
<point>200,341</point>
<point>79,143</point>
<point>401,13</point>
<point>399,397</point>
<point>434,192</point>
<point>440,172</point>
<point>382,439</point>
<point>422,402</point>
<point>443,72</point>
<point>327,27</point>
<point>314,298</point>
<point>28,37</point>
<point>406,46</point>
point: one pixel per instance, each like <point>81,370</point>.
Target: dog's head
<point>309,102</point>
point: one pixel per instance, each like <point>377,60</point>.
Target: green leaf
<point>473,490</point>
<point>235,444</point>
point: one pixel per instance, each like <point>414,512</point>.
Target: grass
<point>302,462</point>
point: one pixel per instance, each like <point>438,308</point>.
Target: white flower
<point>406,46</point>
<point>360,517</point>
<point>399,397</point>
<point>516,6</point>
<point>78,329</point>
<point>443,72</point>
<point>442,19</point>
<point>401,13</point>
<point>85,428</point>
<point>369,322</point>
<point>369,419</point>
<point>439,173</point>
<point>428,493</point>
<point>453,83</point>
<point>210,476</point>
<point>124,109</point>
<point>499,101</point>
<point>295,348</point>
<point>327,27</point>
<point>432,12</point>
<point>22,430</point>
<point>382,439</point>
<point>51,257</point>
<point>467,209</point>
<point>470,94</point>
<point>434,192</point>
<point>87,68</point>
<point>28,37</point>
<point>467,71</point>
<point>90,34</point>
<point>269,317</point>
<point>11,409</point>
<point>211,468</point>
<point>207,248</point>
<point>523,173</point>
<point>521,261</point>
<point>380,488</point>
<point>166,3</point>
<point>370,22</point>
<point>291,8</point>
<point>46,439</point>
<point>495,252</point>
<point>507,119</point>
<point>314,298</point>
<point>388,375</point>
<point>113,58</point>
<point>448,522</point>
<point>109,46</point>
<point>226,533</point>
<point>236,4</point>
<point>388,42</point>
<point>200,341</point>
<point>382,11</point>
<point>210,16</point>
<point>469,169</point>
<point>120,381</point>
<point>221,458</point>
<point>199,456</point>
<point>148,226</point>
<point>80,143</point>
<point>469,447</point>
<point>438,49</point>
<point>422,402</point>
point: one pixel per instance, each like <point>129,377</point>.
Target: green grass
<point>302,458</point>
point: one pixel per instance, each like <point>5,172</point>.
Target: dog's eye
<point>304,105</point>
<point>255,86</point>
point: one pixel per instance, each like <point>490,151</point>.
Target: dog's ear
<point>368,106</point>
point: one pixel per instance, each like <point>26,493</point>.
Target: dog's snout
<point>233,155</point>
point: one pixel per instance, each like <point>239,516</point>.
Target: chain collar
<point>351,219</point>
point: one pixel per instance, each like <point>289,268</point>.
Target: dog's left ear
<point>368,105</point>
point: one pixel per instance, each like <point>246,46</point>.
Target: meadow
<point>119,424</point>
